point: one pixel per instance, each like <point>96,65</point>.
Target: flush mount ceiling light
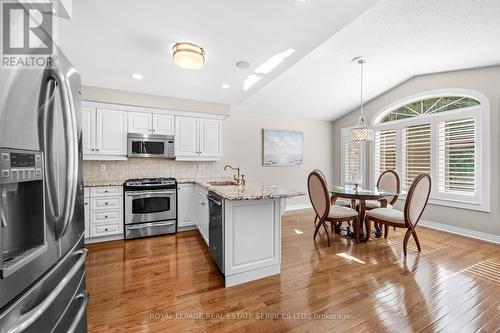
<point>137,76</point>
<point>361,132</point>
<point>188,55</point>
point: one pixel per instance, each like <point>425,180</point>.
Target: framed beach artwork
<point>282,148</point>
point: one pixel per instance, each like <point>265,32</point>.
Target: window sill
<point>454,204</point>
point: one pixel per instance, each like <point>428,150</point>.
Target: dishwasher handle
<point>214,200</point>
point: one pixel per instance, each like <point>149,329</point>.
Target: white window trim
<point>362,156</point>
<point>482,116</point>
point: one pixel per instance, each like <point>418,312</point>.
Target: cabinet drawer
<point>106,229</point>
<point>106,191</point>
<point>106,203</point>
<point>106,216</point>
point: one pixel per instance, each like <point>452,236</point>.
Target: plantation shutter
<point>385,151</point>
<point>416,152</point>
<point>352,158</point>
<point>457,156</point>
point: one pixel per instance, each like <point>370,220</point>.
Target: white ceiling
<point>399,39</point>
<point>109,40</point>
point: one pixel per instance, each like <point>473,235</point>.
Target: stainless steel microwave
<point>150,145</point>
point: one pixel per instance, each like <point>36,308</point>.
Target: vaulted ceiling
<point>110,40</point>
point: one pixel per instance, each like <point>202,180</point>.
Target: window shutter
<point>416,152</point>
<point>385,151</point>
<point>457,156</point>
<point>352,158</point>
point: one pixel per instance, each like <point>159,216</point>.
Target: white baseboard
<point>297,207</point>
<point>461,231</point>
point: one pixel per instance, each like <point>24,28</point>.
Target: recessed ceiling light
<point>274,62</point>
<point>137,76</point>
<point>225,86</point>
<point>242,64</point>
<point>188,55</point>
<point>250,81</point>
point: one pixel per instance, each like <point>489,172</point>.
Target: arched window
<point>443,134</point>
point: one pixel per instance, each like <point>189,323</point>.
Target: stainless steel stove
<point>150,207</point>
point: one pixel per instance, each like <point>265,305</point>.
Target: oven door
<point>150,206</point>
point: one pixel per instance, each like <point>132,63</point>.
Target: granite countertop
<point>249,191</point>
<point>103,183</point>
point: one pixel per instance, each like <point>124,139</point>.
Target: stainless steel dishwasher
<point>216,228</point>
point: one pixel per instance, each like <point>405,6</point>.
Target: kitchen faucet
<point>238,179</point>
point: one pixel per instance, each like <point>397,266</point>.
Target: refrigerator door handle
<point>71,137</point>
<point>28,318</point>
<point>81,312</point>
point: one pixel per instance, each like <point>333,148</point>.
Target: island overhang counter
<point>251,224</point>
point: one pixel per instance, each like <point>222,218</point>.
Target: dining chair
<point>388,181</point>
<point>321,202</point>
<point>416,201</point>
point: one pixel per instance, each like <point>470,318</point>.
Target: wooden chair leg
<point>317,229</point>
<point>327,233</point>
<point>414,233</point>
<point>316,220</point>
<point>405,240</point>
<point>386,231</point>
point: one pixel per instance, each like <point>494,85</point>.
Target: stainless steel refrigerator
<point>42,272</point>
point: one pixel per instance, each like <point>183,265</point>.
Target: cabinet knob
<point>93,149</point>
<point>105,216</point>
<point>106,203</point>
<point>97,149</point>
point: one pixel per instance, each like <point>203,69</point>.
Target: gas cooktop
<point>150,181</point>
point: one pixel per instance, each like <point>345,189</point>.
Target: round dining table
<point>361,195</point>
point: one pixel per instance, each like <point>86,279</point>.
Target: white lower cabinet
<point>104,212</point>
<point>202,214</point>
<point>86,211</point>
<point>186,205</point>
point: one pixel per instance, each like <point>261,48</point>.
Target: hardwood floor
<point>170,284</point>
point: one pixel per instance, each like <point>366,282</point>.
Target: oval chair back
<point>417,198</point>
<point>389,181</point>
<point>318,194</point>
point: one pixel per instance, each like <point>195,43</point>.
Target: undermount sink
<point>222,183</point>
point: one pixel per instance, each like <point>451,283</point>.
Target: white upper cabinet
<point>186,137</point>
<point>139,122</point>
<point>88,130</point>
<point>150,123</point>
<point>210,137</point>
<point>197,139</point>
<point>163,124</point>
<point>111,138</point>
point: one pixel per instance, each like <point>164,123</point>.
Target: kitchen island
<point>250,230</point>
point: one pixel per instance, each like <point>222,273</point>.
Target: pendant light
<point>361,132</point>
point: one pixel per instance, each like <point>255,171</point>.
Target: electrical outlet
<point>201,166</point>
<point>103,167</point>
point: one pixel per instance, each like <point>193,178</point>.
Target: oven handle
<point>155,224</point>
<point>142,193</point>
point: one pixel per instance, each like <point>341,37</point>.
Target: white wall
<point>241,145</point>
<point>483,80</point>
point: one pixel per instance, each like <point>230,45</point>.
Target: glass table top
<point>351,192</point>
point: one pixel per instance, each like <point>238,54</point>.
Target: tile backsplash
<point>148,167</point>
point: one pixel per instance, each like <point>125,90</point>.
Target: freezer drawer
<point>74,319</point>
<point>40,308</point>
